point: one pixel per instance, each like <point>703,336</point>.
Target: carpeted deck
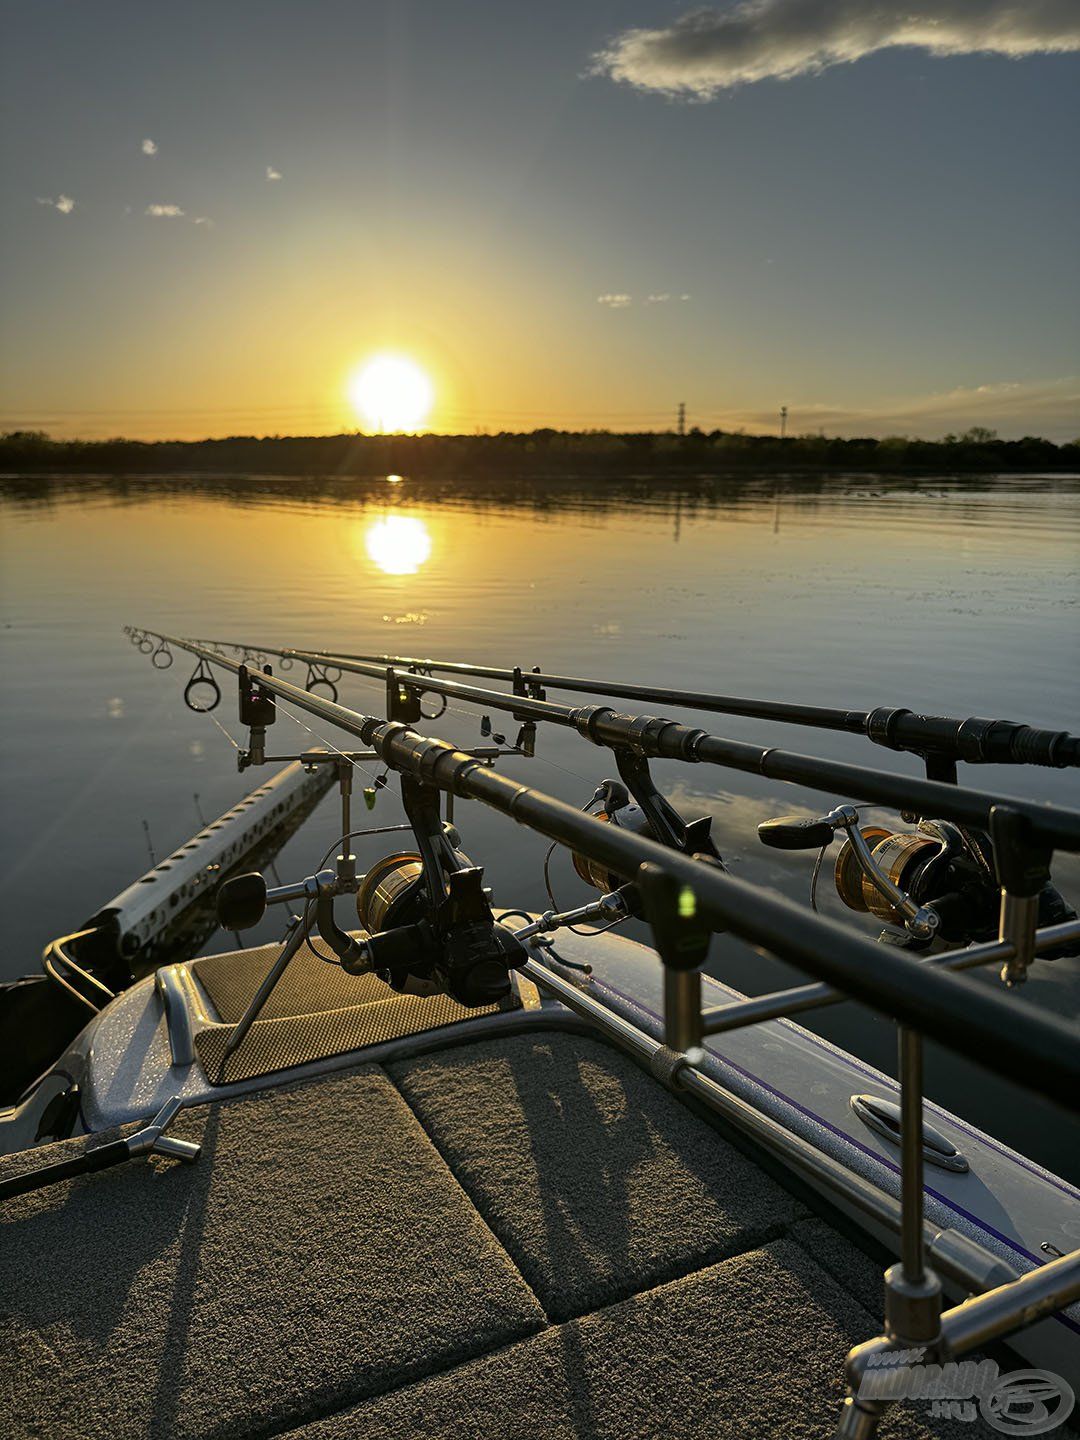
<point>597,1181</point>
<point>523,1237</point>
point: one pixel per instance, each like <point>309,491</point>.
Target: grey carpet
<point>752,1347</point>
<point>323,1273</point>
<point>598,1182</point>
<point>318,1252</point>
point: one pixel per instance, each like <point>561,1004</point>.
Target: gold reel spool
<point>894,854</point>
<point>627,817</point>
<point>386,884</point>
<point>592,871</point>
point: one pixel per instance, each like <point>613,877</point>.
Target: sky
<point>577,213</point>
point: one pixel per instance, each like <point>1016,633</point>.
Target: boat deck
<point>521,1236</point>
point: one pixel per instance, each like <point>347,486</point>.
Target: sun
<point>391,392</point>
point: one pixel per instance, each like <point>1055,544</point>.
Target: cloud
<point>1029,407</point>
<point>149,147</point>
<point>617,301</point>
<point>709,50</point>
<point>164,212</point>
<point>661,299</point>
<point>63,203</point>
<point>203,220</point>
<point>272,174</point>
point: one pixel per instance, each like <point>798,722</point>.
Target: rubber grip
<point>100,1158</point>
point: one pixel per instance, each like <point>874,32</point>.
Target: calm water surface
<point>954,597</point>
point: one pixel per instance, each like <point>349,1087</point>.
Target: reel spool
<point>626,816</point>
<point>387,895</point>
<point>900,857</point>
<point>460,951</point>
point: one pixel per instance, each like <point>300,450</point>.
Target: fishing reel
<point>610,803</point>
<point>936,882</point>
<point>638,807</point>
<point>938,867</point>
<point>427,916</point>
<point>434,933</point>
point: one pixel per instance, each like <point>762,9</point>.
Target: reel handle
<point>795,832</point>
<point>241,901</point>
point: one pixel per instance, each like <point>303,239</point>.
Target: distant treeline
<point>538,453</point>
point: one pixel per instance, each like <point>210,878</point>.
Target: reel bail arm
<point>795,832</point>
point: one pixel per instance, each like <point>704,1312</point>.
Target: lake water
<point>954,597</point>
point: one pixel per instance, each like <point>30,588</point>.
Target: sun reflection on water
<point>398,544</point>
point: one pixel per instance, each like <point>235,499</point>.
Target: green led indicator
<point>687,903</point>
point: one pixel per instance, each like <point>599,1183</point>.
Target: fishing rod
<point>938,884</point>
<point>654,737</point>
<point>684,897</point>
<point>940,740</point>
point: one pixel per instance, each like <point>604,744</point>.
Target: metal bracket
<point>151,1139</point>
<point>682,942</point>
<point>666,824</point>
<point>1022,863</point>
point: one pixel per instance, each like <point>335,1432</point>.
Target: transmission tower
<point>682,417</point>
<point>783,421</point>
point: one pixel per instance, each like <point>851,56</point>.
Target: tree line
<point>541,453</point>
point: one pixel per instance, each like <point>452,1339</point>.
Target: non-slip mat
<point>307,986</point>
<point>272,1045</point>
<point>322,1273</point>
<point>749,1349</point>
<point>598,1182</point>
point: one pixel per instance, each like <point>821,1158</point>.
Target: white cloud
<point>203,220</point>
<point>709,50</point>
<point>272,174</point>
<point>63,203</point>
<point>164,212</point>
<point>149,147</point>
<point>617,301</point>
<point>660,299</point>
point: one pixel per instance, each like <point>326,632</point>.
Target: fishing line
<point>587,934</point>
<point>309,943</point>
<point>210,716</point>
<point>816,876</point>
<point>328,743</point>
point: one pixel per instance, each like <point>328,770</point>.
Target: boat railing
<point>63,969</point>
